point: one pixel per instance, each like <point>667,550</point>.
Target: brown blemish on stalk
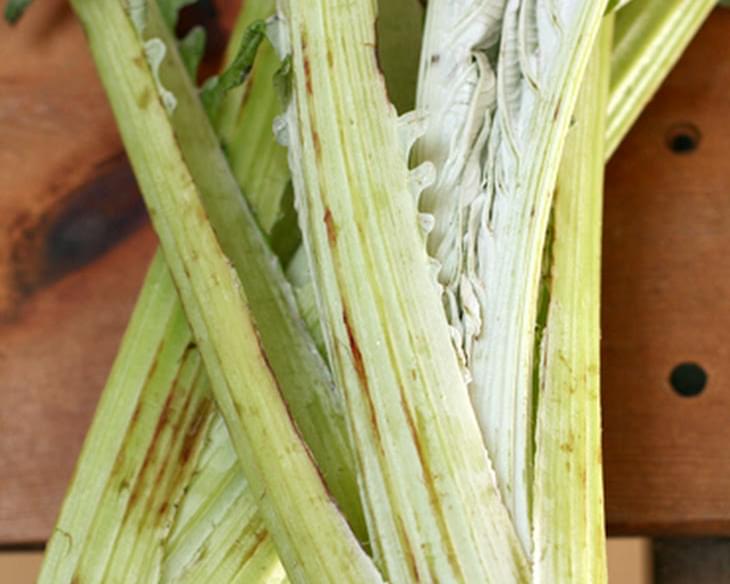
<point>261,536</point>
<point>359,365</point>
<point>307,75</point>
<point>135,415</point>
<point>202,413</point>
<point>408,549</point>
<point>330,58</point>
<point>168,489</point>
<point>375,47</point>
<point>119,461</point>
<point>429,481</point>
<point>317,144</point>
<point>557,109</point>
<point>149,455</point>
<point>331,230</point>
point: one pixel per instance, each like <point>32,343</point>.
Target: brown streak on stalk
<point>261,536</point>
<point>331,230</point>
<point>151,449</point>
<point>317,144</point>
<point>195,430</point>
<point>374,45</point>
<point>408,549</point>
<point>150,373</point>
<point>135,415</point>
<point>307,74</point>
<point>169,488</point>
<point>359,365</point>
<point>557,109</point>
<point>428,480</point>
<point>330,58</point>
<point>120,459</point>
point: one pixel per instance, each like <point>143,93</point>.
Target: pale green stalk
<point>145,389</point>
<point>497,143</point>
<point>242,381</point>
<point>245,121</point>
<point>190,516</point>
<point>568,523</point>
<point>213,532</point>
<point>430,496</point>
<point>218,535</point>
<point>649,38</point>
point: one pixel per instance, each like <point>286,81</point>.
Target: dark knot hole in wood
<point>688,379</point>
<point>683,138</point>
<point>74,229</point>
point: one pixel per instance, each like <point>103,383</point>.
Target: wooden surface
<point>66,191</point>
<point>666,293</point>
<point>666,300</point>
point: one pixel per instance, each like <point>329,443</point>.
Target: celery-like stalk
<point>430,496</point>
<point>217,534</point>
<point>496,140</point>
<point>244,126</point>
<point>192,513</point>
<point>568,523</point>
<point>244,386</point>
<point>303,376</point>
<point>650,36</point>
<point>145,389</point>
<point>204,539</point>
<point>213,531</point>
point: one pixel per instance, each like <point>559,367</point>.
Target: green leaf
<point>191,48</point>
<point>14,9</point>
<point>216,87</point>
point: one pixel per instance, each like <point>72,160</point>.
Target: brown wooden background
<point>74,247</point>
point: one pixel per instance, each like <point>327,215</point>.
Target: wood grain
<point>74,247</point>
<point>666,300</point>
<point>666,283</point>
<point>66,192</point>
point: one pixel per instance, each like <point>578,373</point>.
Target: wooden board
<point>666,301</point>
<point>64,305</point>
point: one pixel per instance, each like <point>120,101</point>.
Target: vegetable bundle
<point>368,349</point>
